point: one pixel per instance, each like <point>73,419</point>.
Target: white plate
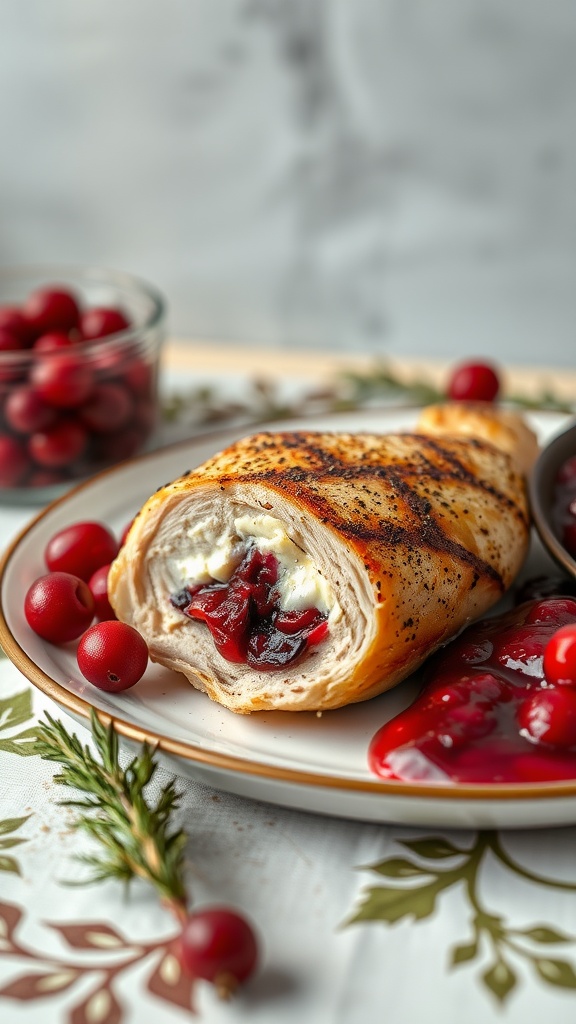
<point>296,760</point>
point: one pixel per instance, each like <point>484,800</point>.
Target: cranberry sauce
<point>245,618</point>
<point>564,513</point>
<point>487,712</point>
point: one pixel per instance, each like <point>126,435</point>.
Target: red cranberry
<point>26,412</point>
<point>59,445</point>
<point>62,380</point>
<point>101,321</point>
<point>59,607</point>
<point>112,656</point>
<point>52,342</point>
<point>474,382</point>
<point>98,584</point>
<point>556,611</point>
<point>11,320</point>
<point>138,377</point>
<point>10,342</point>
<point>81,548</point>
<point>219,945</point>
<point>13,461</point>
<point>51,309</point>
<point>560,656</point>
<point>107,410</point>
<point>549,716</point>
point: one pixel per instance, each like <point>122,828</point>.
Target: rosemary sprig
<point>349,390</point>
<point>133,832</point>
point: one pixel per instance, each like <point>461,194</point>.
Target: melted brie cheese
<point>218,553</point>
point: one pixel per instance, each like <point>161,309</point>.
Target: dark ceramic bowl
<point>542,488</point>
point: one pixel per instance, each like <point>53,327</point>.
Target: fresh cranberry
<point>14,461</point>
<point>26,412</point>
<point>59,607</point>
<point>98,584</point>
<point>100,321</point>
<point>555,611</point>
<point>107,410</point>
<point>59,445</point>
<point>549,716</point>
<point>112,656</point>
<point>81,548</point>
<point>474,382</point>
<point>51,309</point>
<point>560,656</point>
<point>62,379</point>
<point>11,320</point>
<point>218,945</point>
<point>52,342</point>
<point>10,342</point>
<point>138,377</point>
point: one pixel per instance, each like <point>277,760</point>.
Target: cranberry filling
<point>487,713</point>
<point>245,619</point>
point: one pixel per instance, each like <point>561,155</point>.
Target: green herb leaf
<point>12,824</point>
<point>15,710</point>
<point>23,744</point>
<point>399,867</point>
<point>541,933</point>
<point>559,973</point>
<point>9,864</point>
<point>500,979</point>
<point>391,905</point>
<point>460,954</point>
<point>133,833</point>
<point>434,848</point>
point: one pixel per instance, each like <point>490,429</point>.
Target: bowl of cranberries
<point>553,498</point>
<point>79,362</point>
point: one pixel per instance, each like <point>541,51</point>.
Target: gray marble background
<point>378,175</point>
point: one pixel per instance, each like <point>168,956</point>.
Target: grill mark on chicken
<point>427,531</point>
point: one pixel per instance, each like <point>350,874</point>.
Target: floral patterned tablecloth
<point>358,922</point>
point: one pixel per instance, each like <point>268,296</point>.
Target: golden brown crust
<point>434,529</point>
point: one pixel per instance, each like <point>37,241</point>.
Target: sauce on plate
<point>487,713</point>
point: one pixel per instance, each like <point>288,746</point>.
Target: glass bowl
<point>552,492</point>
<point>79,364</point>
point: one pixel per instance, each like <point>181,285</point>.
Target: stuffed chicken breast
<point>306,571</point>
